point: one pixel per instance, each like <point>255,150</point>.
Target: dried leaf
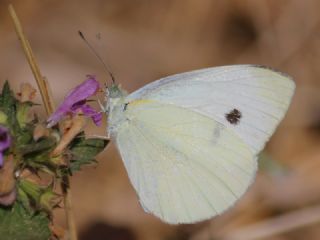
<point>57,231</point>
<point>78,122</point>
<point>8,199</point>
<point>7,180</point>
<point>40,131</point>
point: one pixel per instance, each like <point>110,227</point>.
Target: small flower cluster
<point>35,155</point>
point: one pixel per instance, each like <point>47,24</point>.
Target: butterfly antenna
<point>97,56</point>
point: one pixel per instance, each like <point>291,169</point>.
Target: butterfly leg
<point>99,136</point>
<point>102,107</point>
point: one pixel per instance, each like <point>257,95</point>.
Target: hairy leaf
<point>84,151</point>
<point>16,223</point>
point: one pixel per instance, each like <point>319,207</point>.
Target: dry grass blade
<point>48,103</point>
<point>49,106</point>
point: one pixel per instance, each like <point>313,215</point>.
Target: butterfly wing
<point>260,95</point>
<point>185,167</point>
<point>189,141</point>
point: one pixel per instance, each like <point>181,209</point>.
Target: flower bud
<point>27,92</point>
<point>49,200</point>
<point>3,118</point>
<point>40,131</point>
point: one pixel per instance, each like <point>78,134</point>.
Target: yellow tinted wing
<point>185,167</point>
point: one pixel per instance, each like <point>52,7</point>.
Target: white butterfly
<point>190,141</point>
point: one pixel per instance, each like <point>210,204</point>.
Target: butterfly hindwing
<point>185,166</point>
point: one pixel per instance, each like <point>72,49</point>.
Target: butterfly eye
<point>125,106</point>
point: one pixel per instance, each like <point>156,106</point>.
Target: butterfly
<point>190,141</point>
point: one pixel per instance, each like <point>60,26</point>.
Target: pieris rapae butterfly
<point>190,141</point>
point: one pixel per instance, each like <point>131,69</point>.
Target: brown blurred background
<point>143,40</point>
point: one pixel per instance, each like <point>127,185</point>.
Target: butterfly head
<point>114,95</point>
<point>114,107</point>
<point>115,91</point>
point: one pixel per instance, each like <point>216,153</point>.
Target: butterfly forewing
<point>262,97</point>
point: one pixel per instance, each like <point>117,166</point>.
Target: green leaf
<point>32,190</point>
<point>8,106</point>
<point>24,200</point>
<point>18,224</point>
<point>3,118</point>
<point>38,147</point>
<point>24,137</point>
<point>7,96</point>
<point>83,151</point>
<point>37,154</point>
<point>49,200</point>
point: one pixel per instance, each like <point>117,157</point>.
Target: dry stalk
<point>276,225</point>
<point>45,92</point>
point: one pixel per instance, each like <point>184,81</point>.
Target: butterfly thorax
<point>115,106</point>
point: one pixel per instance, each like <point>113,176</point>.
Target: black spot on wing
<point>233,116</point>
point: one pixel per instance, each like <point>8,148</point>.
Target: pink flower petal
<point>5,142</point>
<point>75,99</point>
<point>91,112</point>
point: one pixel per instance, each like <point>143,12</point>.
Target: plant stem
<point>45,92</point>
<point>68,208</point>
<point>48,103</point>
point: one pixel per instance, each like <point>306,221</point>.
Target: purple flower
<point>5,141</point>
<point>75,102</point>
